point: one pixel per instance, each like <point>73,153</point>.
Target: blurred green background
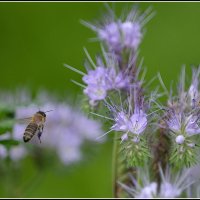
<point>37,38</point>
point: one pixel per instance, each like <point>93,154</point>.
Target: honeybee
<point>35,126</point>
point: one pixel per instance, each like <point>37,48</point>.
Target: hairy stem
<point>161,154</point>
<point>114,166</point>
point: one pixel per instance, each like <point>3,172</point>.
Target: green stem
<point>28,188</point>
<point>114,166</point>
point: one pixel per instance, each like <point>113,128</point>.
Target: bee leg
<point>40,133</point>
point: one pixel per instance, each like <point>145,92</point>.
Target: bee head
<point>42,113</point>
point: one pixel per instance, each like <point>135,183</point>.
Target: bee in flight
<point>35,126</point>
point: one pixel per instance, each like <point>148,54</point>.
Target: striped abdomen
<point>30,131</point>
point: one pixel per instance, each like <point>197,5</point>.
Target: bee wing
<point>24,120</point>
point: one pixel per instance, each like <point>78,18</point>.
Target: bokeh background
<point>36,39</point>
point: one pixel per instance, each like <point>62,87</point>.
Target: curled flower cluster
<point>183,112</point>
<point>123,33</point>
<point>103,79</point>
<point>119,35</point>
<point>182,117</point>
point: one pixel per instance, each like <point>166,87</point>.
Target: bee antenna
<point>48,111</point>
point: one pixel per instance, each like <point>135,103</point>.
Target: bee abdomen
<point>30,131</point>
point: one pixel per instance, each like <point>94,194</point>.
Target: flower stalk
<point>115,166</point>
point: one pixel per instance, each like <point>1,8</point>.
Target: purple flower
<point>149,191</point>
<point>135,123</point>
<point>170,186</point>
<point>130,122</point>
<point>110,33</point>
<point>193,89</point>
<point>124,137</point>
<point>132,34</point>
<point>192,126</point>
<point>96,81</point>
<point>121,122</point>
<point>116,80</point>
<point>68,147</point>
<point>183,115</point>
<point>96,77</point>
<point>138,123</point>
<point>121,33</point>
<point>3,151</point>
<point>17,153</point>
<point>69,154</point>
<point>174,122</point>
<point>180,123</point>
<point>95,92</point>
<point>103,79</point>
<point>169,190</point>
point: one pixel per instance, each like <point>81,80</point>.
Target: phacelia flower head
<point>95,92</point>
<point>138,123</point>
<point>130,121</point>
<point>117,80</point>
<point>170,187</point>
<point>122,33</point>
<point>104,77</point>
<point>131,33</point>
<point>121,122</point>
<point>181,118</point>
<point>110,33</point>
<point>133,123</point>
<point>96,77</point>
<point>96,84</point>
<point>183,111</point>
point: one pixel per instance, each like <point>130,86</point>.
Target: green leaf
<point>9,142</point>
<point>6,112</point>
<point>6,126</point>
